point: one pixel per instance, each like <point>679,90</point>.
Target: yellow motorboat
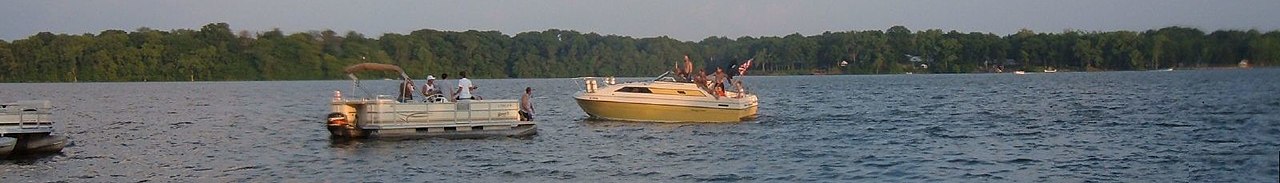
<point>665,99</point>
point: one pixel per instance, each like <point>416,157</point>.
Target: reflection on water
<point>1181,126</point>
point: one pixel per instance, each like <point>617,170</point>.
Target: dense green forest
<point>215,52</point>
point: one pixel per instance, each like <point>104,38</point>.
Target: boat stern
<point>27,128</point>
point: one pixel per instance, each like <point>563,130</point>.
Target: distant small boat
<point>1019,72</point>
<point>1169,69</point>
<point>1051,70</point>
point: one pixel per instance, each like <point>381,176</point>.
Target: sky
<point>690,20</point>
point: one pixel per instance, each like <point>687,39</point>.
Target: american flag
<point>742,69</point>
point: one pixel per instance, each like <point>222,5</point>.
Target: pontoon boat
<point>383,116</point>
<point>25,127</point>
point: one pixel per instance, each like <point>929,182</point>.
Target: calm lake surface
<point>1179,126</point>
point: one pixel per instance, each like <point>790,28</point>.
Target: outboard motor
<point>338,120</point>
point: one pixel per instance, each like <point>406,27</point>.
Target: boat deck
<point>458,132</point>
<point>25,127</point>
<point>25,117</point>
<point>486,124</point>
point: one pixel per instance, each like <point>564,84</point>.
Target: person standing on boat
<point>444,82</point>
<point>406,90</point>
<point>464,87</point>
<point>526,105</point>
<point>688,67</point>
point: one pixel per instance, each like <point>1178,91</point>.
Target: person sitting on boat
<point>526,105</point>
<point>680,75</point>
<point>701,81</point>
<point>719,82</point>
<point>737,85</point>
<point>406,90</point>
<point>430,92</point>
<point>464,88</point>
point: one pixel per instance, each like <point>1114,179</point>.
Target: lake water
<point>1180,126</point>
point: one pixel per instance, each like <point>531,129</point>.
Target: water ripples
<point>1191,126</point>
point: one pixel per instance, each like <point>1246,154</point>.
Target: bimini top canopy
<point>361,67</point>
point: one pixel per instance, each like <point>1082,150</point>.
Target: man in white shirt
<point>464,87</point>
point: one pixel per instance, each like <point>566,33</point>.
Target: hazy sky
<point>684,20</point>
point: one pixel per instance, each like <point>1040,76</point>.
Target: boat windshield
<point>668,77</point>
<point>663,76</point>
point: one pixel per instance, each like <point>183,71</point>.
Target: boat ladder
<point>30,118</point>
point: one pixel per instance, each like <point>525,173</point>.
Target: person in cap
<point>430,91</point>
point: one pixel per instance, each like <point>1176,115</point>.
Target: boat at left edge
<point>26,128</point>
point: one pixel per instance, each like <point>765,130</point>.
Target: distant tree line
<point>215,52</point>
